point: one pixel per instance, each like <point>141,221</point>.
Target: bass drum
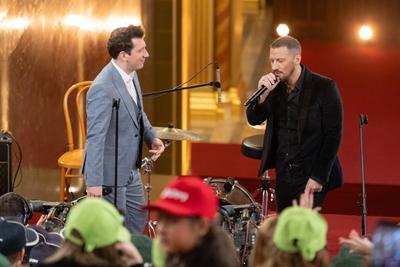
<point>230,192</point>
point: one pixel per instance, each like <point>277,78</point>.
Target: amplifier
<point>5,164</point>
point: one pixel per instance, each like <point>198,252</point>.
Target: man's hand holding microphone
<point>270,81</point>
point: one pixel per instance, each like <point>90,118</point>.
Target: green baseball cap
<point>158,255</point>
<point>98,223</point>
<point>300,230</point>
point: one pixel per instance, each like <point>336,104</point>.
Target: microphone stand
<point>180,88</point>
<point>116,107</point>
<point>363,121</point>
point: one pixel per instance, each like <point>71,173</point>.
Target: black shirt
<point>288,164</point>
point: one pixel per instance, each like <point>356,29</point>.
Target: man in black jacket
<point>304,126</point>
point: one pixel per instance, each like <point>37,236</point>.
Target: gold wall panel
<point>45,47</point>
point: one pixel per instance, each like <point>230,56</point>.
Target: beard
<point>285,78</point>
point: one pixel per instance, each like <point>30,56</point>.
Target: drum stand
<point>267,192</point>
<point>147,166</point>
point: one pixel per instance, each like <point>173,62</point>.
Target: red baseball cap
<point>187,196</point>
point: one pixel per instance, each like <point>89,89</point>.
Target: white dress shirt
<point>128,80</point>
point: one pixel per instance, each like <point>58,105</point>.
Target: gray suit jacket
<point>99,158</point>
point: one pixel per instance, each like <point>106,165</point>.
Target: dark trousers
<point>288,188</point>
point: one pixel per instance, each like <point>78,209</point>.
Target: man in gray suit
<point>118,80</point>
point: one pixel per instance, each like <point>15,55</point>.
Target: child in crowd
<point>95,236</point>
<point>187,234</point>
<point>14,237</point>
<point>296,238</point>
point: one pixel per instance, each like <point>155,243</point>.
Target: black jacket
<point>320,123</point>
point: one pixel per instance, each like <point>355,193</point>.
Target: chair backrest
<point>80,89</point>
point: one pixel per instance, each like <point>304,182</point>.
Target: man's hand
<point>157,148</point>
<point>270,81</point>
<point>312,186</point>
<point>94,191</point>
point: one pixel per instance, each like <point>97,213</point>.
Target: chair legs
<point>62,184</point>
<point>65,181</point>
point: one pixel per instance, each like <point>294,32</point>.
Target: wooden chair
<point>71,161</point>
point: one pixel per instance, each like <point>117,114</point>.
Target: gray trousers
<point>130,199</point>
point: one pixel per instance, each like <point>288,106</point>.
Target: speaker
<point>5,164</point>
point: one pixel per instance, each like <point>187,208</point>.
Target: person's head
<point>49,243</point>
<point>301,231</point>
<point>186,209</point>
<point>15,207</point>
<point>92,229</point>
<point>285,57</point>
<point>126,45</point>
<point>12,240</point>
<point>264,247</point>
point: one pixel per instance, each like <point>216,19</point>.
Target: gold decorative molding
<point>197,51</point>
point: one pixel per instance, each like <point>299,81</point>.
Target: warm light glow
<point>282,29</point>
<point>2,14</point>
<point>16,23</point>
<point>365,32</point>
<point>89,24</point>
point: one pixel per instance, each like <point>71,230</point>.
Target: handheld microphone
<point>255,96</point>
<point>218,82</point>
<point>259,92</point>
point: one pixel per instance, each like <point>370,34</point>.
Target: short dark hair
<point>287,41</point>
<point>121,39</point>
<point>14,206</point>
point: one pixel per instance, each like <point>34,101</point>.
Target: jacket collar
<point>126,99</point>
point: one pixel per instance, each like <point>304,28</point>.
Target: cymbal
<point>174,134</point>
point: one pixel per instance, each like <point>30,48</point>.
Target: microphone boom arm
<point>180,88</point>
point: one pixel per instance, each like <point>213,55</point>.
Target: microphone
<point>259,92</point>
<point>255,96</point>
<point>218,82</point>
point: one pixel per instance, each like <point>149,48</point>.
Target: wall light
<point>365,33</point>
<point>95,25</point>
<point>3,13</point>
<point>16,23</point>
<point>282,29</point>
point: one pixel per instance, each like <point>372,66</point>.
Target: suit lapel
<point>305,97</point>
<point>138,89</point>
<point>124,95</point>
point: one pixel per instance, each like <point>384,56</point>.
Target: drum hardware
<point>253,147</point>
<point>56,213</point>
<point>147,166</point>
<point>241,223</point>
<point>229,185</point>
<point>239,214</point>
<point>266,192</point>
